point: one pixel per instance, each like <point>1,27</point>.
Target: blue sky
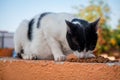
<point>12,12</point>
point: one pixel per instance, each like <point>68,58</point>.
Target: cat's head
<point>82,35</point>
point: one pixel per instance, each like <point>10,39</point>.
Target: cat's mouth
<point>84,54</point>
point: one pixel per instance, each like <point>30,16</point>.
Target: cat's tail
<point>20,37</point>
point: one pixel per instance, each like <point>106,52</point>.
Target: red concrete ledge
<point>15,69</point>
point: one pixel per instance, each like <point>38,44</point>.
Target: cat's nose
<point>79,50</point>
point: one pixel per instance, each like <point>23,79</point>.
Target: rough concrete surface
<point>16,69</point>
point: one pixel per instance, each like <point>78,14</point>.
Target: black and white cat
<point>54,35</point>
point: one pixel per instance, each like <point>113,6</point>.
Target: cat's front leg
<point>56,50</point>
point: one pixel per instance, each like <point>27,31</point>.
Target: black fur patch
<point>30,27</point>
<point>40,18</point>
<point>73,46</point>
<point>19,54</point>
<point>81,37</point>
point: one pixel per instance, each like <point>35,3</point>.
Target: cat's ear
<point>71,26</point>
<point>94,25</point>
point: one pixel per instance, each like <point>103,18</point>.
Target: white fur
<point>49,40</point>
<point>76,22</point>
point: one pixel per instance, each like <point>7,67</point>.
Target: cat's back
<point>54,23</point>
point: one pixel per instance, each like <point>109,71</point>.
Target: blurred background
<point>12,12</point>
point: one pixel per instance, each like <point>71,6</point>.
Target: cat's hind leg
<point>28,55</point>
<point>18,48</point>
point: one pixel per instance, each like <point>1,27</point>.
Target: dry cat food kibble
<point>98,59</point>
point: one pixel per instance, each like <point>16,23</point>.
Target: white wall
<point>8,39</point>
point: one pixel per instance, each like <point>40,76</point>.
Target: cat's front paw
<point>28,57</point>
<point>60,58</point>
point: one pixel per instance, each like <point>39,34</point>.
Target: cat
<point>54,36</point>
